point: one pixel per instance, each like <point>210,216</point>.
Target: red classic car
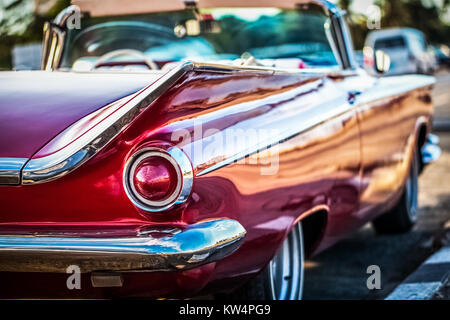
<point>181,148</point>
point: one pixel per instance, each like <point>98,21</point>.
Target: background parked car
<point>407,48</point>
<point>359,58</point>
<point>442,53</point>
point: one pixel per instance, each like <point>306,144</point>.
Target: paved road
<point>340,272</point>
<point>442,102</point>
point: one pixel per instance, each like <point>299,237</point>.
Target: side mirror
<point>382,62</point>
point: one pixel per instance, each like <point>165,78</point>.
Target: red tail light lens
<point>156,179</point>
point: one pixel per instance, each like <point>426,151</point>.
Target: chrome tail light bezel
<point>185,178</point>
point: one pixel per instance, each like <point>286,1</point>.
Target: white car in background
<point>407,48</point>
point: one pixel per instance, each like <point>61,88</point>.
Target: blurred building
<point>27,57</point>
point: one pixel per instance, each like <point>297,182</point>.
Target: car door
<point>388,111</point>
<point>345,194</point>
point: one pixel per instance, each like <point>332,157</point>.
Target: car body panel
<point>51,102</point>
<point>390,128</point>
<point>320,162</point>
<point>268,148</point>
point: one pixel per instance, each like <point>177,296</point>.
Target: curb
<point>428,279</point>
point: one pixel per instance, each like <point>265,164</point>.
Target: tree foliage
<point>418,14</point>
<point>20,25</point>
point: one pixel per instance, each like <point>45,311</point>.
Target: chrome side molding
<point>431,150</point>
<point>10,169</point>
<point>198,244</point>
<point>77,152</point>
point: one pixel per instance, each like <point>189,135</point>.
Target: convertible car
<point>172,149</point>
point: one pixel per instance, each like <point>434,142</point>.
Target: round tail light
<point>156,179</point>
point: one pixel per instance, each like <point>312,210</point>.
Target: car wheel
<point>283,277</point>
<point>402,218</point>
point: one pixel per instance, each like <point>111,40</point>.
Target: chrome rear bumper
<point>196,245</point>
<point>431,150</point>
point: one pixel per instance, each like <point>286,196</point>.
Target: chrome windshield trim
<point>65,14</point>
<point>10,170</point>
<point>110,7</point>
<point>198,244</point>
<point>283,135</point>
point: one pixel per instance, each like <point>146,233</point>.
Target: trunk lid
<point>35,106</point>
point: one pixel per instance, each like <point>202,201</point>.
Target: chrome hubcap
<point>412,191</point>
<point>286,268</point>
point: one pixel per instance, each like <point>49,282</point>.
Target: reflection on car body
<point>186,177</point>
<point>406,47</point>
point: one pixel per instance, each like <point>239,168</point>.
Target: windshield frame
<point>341,42</point>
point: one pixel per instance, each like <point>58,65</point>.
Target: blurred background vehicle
<point>407,48</point>
<point>27,56</point>
<point>359,57</point>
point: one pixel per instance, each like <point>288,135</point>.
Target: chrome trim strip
<point>10,170</point>
<point>283,133</point>
<point>142,6</point>
<point>198,244</point>
<point>287,132</point>
<point>79,151</point>
<point>183,167</point>
<point>54,38</point>
<point>55,46</point>
<point>65,14</point>
<point>431,150</point>
<point>348,44</point>
<point>433,139</point>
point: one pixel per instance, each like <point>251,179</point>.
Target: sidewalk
<point>444,292</point>
<point>431,281</point>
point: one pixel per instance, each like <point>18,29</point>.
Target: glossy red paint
<point>327,163</point>
<point>155,179</point>
<point>37,116</point>
<point>37,285</point>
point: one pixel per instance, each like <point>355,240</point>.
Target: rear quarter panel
<point>268,150</point>
<point>391,114</point>
<point>289,169</point>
